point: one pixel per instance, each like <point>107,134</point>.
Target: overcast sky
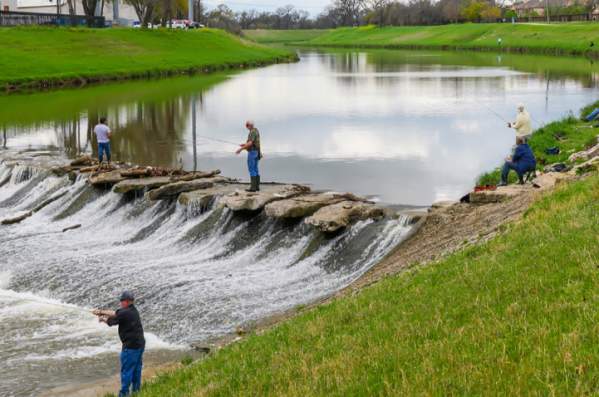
<point>314,7</point>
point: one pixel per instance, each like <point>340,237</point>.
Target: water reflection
<point>409,127</point>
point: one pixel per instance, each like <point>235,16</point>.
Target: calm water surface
<point>406,127</point>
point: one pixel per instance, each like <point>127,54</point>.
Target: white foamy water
<point>197,276</point>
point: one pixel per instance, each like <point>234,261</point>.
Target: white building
<point>126,13</point>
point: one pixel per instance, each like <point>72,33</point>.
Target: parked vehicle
<point>179,24</point>
<point>137,25</point>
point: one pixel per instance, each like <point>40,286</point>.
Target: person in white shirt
<point>522,125</point>
<point>103,135</point>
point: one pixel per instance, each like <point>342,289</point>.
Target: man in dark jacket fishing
<point>522,161</point>
<point>131,334</point>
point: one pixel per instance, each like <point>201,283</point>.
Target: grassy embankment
<point>557,39</point>
<point>39,57</point>
<point>517,315</point>
<point>275,36</point>
<point>569,134</point>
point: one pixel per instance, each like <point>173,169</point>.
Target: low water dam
<point>397,129</point>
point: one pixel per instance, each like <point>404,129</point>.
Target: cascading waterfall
<point>198,272</point>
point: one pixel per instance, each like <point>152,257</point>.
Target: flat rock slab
<point>252,201</point>
<point>203,198</point>
<point>334,217</point>
<point>587,166</point>
<point>502,193</point>
<point>130,185</point>
<point>175,188</point>
<point>549,180</point>
<point>586,154</point>
<point>305,205</point>
<point>106,178</point>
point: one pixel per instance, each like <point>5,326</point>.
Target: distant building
<point>126,13</point>
<point>538,7</point>
<point>528,8</point>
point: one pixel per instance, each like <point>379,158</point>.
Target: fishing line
<point>62,305</point>
<point>217,140</point>
<point>496,114</point>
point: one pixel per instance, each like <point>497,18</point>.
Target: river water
<point>401,127</point>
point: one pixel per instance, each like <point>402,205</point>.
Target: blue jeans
<point>509,165</point>
<point>593,115</point>
<point>131,363</point>
<point>253,163</point>
<point>104,147</point>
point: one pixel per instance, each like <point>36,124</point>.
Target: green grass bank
<point>37,57</point>
<point>570,134</point>
<point>555,39</point>
<point>514,316</point>
<point>276,36</point>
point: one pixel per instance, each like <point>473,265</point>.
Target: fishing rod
<point>505,120</point>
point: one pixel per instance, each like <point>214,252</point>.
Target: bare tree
<point>350,11</point>
<point>89,7</point>
<point>377,11</point>
<point>144,10</point>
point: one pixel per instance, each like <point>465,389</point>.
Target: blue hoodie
<point>524,159</point>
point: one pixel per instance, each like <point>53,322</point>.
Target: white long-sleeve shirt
<point>522,125</point>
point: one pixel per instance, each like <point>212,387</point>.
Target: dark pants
<point>131,363</point>
<point>253,163</point>
<point>509,165</point>
<point>104,147</point>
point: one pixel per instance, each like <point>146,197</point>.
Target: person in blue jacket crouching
<point>522,161</point>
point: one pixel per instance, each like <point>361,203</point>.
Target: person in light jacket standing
<point>522,125</point>
<point>103,135</point>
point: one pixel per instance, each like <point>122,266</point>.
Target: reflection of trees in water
<point>150,132</point>
<point>68,135</point>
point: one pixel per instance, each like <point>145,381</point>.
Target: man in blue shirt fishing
<point>522,161</point>
<point>252,145</point>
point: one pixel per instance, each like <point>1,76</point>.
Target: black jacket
<point>130,330</point>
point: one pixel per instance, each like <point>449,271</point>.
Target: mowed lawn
<point>518,315</point>
<point>283,36</point>
<point>570,38</point>
<point>49,53</point>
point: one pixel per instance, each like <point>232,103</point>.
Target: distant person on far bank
<point>252,145</point>
<point>522,125</point>
<point>131,334</point>
<point>522,161</point>
<point>103,135</point>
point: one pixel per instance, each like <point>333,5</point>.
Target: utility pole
<point>190,5</point>
<point>547,10</point>
<point>193,131</point>
<point>115,11</point>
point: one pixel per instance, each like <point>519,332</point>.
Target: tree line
<point>381,12</point>
<point>338,13</point>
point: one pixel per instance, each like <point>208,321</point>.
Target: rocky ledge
<point>329,212</point>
